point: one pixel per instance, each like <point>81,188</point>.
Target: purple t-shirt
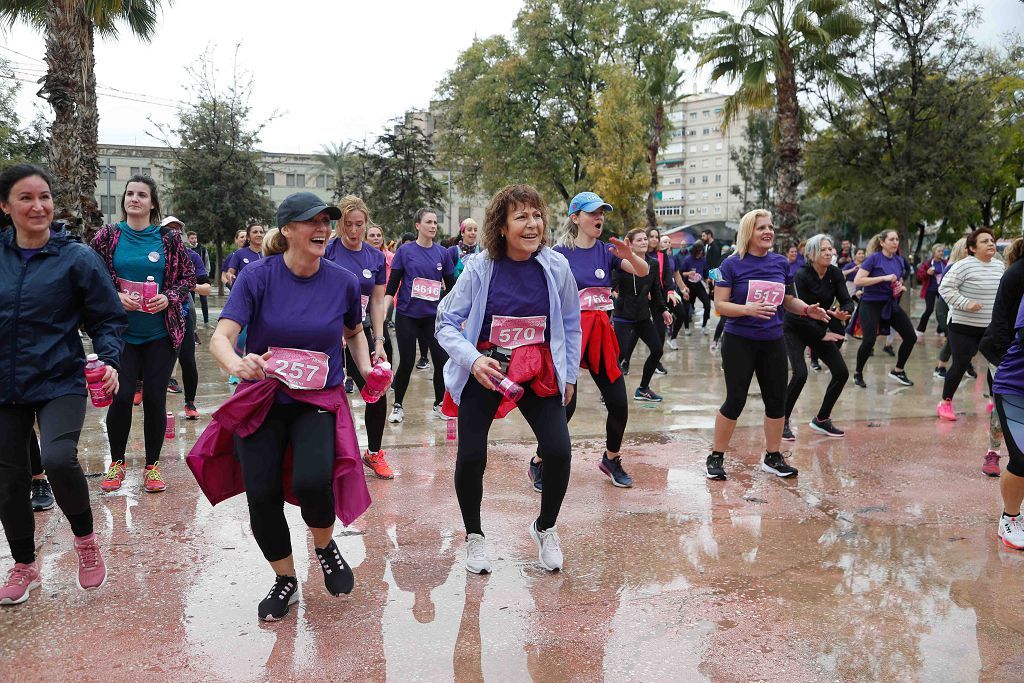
<point>934,280</point>
<point>737,274</point>
<point>1009,378</point>
<point>879,265</point>
<point>197,262</point>
<point>309,313</point>
<point>518,289</point>
<point>367,264</point>
<point>426,263</point>
<point>26,254</point>
<point>591,267</point>
<point>240,259</point>
<point>689,262</point>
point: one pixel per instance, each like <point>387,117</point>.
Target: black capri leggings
<point>929,306</point>
<point>548,421</point>
<point>627,334</point>
<point>697,293</point>
<point>614,394</point>
<point>152,363</point>
<point>187,358</point>
<point>1011,416</point>
<point>60,425</point>
<point>870,318</point>
<point>743,358</point>
<point>826,352</point>
<point>409,330</point>
<point>261,454</point>
<point>376,413</point>
<point>963,343</point>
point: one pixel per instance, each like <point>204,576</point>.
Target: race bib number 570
<point>298,369</point>
<point>762,291</point>
<point>512,332</point>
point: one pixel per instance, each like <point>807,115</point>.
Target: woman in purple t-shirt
<point>881,278</point>
<point>298,307</point>
<point>754,288</point>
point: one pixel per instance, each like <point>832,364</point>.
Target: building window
<point>718,161</point>
<point>707,131</point>
<point>718,145</point>
<point>108,204</point>
<point>704,211</point>
<point>691,211</point>
<point>704,195</point>
<point>108,173</point>
<point>718,177</point>
<point>692,196</point>
<point>141,170</point>
<point>718,110</point>
<point>325,181</point>
<point>464,213</point>
<point>706,148</point>
<point>693,131</point>
<point>718,195</point>
<point>295,180</point>
<point>718,210</point>
<point>693,179</point>
<point>693,116</point>
<point>269,180</point>
<point>693,164</point>
<point>693,149</point>
<point>705,163</point>
<point>703,178</point>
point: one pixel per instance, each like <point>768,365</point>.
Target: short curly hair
<point>496,217</point>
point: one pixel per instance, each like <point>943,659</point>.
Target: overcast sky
<point>335,70</point>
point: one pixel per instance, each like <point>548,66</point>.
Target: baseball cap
<point>302,206</point>
<point>587,201</point>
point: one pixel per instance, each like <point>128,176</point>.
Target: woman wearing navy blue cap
<point>592,262</point>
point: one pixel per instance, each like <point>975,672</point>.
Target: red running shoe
<point>138,394</point>
<point>378,464</point>
<point>190,411</point>
<point>991,464</point>
<point>21,579</point>
<point>92,572</point>
<point>153,481</point>
<point>114,477</point>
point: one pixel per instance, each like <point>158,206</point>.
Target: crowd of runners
<point>503,316</point>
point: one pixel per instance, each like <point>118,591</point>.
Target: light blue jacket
<point>460,317</point>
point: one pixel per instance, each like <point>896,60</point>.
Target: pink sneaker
<point>92,572</point>
<point>21,579</point>
<point>991,464</point>
<point>945,411</point>
<point>989,407</point>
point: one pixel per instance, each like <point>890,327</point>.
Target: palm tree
<point>763,51</point>
<point>70,86</point>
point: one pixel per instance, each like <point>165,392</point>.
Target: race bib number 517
<point>762,291</point>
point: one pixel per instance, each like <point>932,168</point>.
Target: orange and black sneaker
<point>153,482</point>
<point>138,394</point>
<point>114,476</point>
<point>377,463</point>
<point>190,411</point>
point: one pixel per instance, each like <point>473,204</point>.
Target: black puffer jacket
<point>42,302</point>
<point>638,298</point>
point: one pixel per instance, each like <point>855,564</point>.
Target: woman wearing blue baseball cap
<point>592,262</point>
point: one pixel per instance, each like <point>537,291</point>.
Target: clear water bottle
<point>94,371</point>
<point>377,382</point>
<point>715,274</point>
<point>149,290</point>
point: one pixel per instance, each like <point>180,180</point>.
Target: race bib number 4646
<point>759,291</point>
<point>596,299</point>
<point>298,369</point>
<point>428,290</point>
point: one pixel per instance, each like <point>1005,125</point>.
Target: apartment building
<point>695,172</point>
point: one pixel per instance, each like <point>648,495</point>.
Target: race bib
<point>694,277</point>
<point>132,289</point>
<point>510,332</point>
<point>767,292</point>
<point>364,301</point>
<point>298,369</point>
<point>596,299</point>
<point>428,290</point>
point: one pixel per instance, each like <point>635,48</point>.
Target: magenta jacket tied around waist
<point>212,460</point>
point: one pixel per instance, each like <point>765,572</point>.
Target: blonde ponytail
<point>569,232</point>
<point>274,242</point>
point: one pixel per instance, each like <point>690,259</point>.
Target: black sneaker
<point>338,576</point>
<point>350,385</point>
<point>816,366</point>
<point>825,427</point>
<point>972,372</point>
<point>284,593</point>
<point>901,377</point>
<point>660,370</point>
<point>42,495</point>
<point>939,373</point>
<point>776,464</point>
<point>613,468</point>
<point>787,432</point>
<point>858,379</point>
<point>172,386</point>
<point>537,474</point>
<point>645,394</point>
<point>716,467</point>
<point>888,349</point>
<point>422,364</point>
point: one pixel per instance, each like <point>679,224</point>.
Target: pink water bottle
<point>94,371</point>
<point>377,382</point>
<point>453,429</point>
<point>169,432</point>
<point>508,388</point>
<point>149,290</point>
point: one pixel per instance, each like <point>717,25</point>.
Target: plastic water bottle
<point>715,274</point>
<point>508,388</point>
<point>453,429</point>
<point>149,290</point>
<point>94,371</point>
<point>169,432</point>
<point>377,382</point>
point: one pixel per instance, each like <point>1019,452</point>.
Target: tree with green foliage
<point>349,167</point>
<point>771,52</point>
<point>755,161</point>
<point>617,166</point>
<point>399,178</point>
<point>216,177</point>
<point>18,143</point>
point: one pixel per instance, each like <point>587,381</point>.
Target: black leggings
<point>627,334</point>
<point>376,413</point>
<point>743,358</point>
<point>697,293</point>
<point>187,358</point>
<point>204,303</point>
<point>870,318</point>
<point>963,343</point>
<point>310,432</point>
<point>929,306</point>
<point>1011,416</point>
<point>719,328</point>
<point>614,394</point>
<point>829,354</point>
<point>35,458</point>
<point>409,330</point>
<point>152,363</point>
<point>60,425</point>
<point>546,418</point>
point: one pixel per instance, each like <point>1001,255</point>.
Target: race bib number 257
<point>297,368</point>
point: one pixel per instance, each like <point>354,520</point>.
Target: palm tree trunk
<point>789,174</point>
<point>88,121</point>
<point>653,146</point>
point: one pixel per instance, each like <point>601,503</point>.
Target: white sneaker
<point>705,330</point>
<point>713,347</point>
<point>436,410</point>
<point>476,555</point>
<point>548,546</point>
<point>686,332</point>
<point>673,345</point>
<point>1011,530</point>
<point>397,414</point>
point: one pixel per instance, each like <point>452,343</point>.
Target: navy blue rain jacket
<point>42,303</point>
